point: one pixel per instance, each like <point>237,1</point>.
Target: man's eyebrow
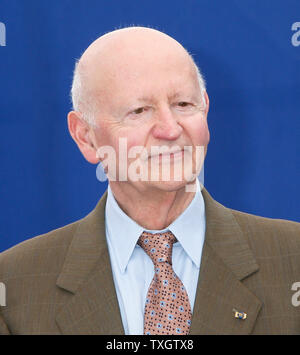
<point>174,95</point>
<point>149,98</point>
<point>187,95</point>
<point>145,99</point>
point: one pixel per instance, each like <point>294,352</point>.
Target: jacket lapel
<point>226,261</point>
<point>93,306</point>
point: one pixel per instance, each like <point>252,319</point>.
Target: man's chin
<point>171,185</point>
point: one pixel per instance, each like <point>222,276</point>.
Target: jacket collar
<point>86,273</point>
<point>226,260</point>
<point>226,238</point>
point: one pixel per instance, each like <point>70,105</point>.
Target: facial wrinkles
<point>137,106</point>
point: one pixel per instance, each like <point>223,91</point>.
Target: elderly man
<point>156,255</point>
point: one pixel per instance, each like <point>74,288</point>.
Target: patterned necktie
<point>167,309</point>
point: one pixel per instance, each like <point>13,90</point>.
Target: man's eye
<point>139,113</point>
<point>138,110</point>
<point>183,104</point>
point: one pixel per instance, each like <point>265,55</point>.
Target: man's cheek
<point>201,135</point>
<point>206,137</point>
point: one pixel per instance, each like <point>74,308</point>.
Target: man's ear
<point>81,133</point>
<point>206,98</point>
<point>206,103</point>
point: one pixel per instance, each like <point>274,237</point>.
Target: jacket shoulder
<point>246,219</point>
<point>37,254</point>
<point>269,236</point>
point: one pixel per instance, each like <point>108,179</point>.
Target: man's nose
<point>166,126</point>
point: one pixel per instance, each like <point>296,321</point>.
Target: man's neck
<point>152,208</point>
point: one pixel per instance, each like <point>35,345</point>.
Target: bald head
<point>122,53</point>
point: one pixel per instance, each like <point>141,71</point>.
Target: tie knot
<point>158,246</point>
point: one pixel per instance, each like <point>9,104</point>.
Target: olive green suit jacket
<point>61,282</point>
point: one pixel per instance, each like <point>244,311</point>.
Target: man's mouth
<point>171,155</point>
<point>159,153</point>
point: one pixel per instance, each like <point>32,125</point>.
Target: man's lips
<point>177,154</point>
<point>171,155</point>
<point>159,153</point>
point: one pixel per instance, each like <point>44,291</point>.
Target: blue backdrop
<point>252,68</point>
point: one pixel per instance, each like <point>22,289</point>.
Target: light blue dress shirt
<point>133,269</point>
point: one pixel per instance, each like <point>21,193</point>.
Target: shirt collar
<point>189,227</point>
<point>124,232</point>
